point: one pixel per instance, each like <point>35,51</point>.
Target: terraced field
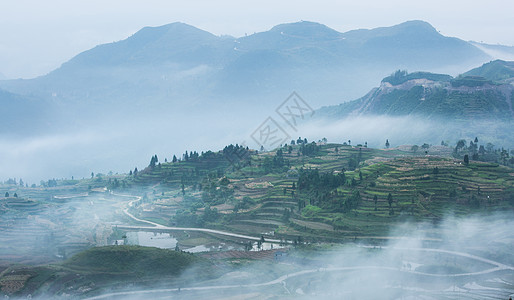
<point>49,230</point>
<point>424,186</point>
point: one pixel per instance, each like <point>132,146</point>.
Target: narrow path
<point>162,227</point>
<point>498,265</point>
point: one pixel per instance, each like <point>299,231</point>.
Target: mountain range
<point>175,86</point>
<point>180,67</point>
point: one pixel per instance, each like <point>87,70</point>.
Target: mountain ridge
<point>311,46</point>
<point>181,68</point>
<point>467,96</point>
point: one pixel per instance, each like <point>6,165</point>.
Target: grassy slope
<point>497,70</point>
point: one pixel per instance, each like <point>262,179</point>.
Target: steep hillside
<point>436,96</point>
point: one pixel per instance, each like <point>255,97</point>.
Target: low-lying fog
<point>456,258</point>
<point>121,145</point>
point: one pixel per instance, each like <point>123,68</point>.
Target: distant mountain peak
<point>414,27</point>
<point>417,24</point>
<point>176,29</point>
<point>305,29</point>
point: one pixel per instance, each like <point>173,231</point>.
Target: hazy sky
<point>37,36</point>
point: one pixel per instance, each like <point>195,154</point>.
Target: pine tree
<point>390,199</point>
<point>152,162</point>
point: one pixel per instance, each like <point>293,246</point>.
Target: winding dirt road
<point>497,266</point>
<point>162,227</point>
<point>283,278</point>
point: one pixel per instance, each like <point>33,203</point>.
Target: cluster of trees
<point>217,191</point>
<point>236,152</point>
<point>238,156</point>
<point>191,156</point>
<point>355,160</point>
<point>277,163</point>
<point>115,183</point>
<point>309,149</point>
<point>153,161</point>
<point>321,190</point>
<point>13,181</point>
<point>305,148</point>
<point>487,153</point>
<point>311,179</point>
<point>194,156</point>
<point>299,141</point>
<point>49,183</point>
<point>415,148</point>
<point>189,217</point>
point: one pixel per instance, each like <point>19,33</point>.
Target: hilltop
<point>100,268</point>
<point>483,93</point>
<point>325,187</point>
<point>498,70</point>
<point>132,261</point>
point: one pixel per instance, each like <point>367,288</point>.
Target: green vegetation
<point>470,81</point>
<point>402,76</point>
<point>300,192</point>
<point>480,94</point>
<point>497,70</point>
<point>97,268</point>
<point>332,192</point>
<point>317,190</point>
<point>133,260</point>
